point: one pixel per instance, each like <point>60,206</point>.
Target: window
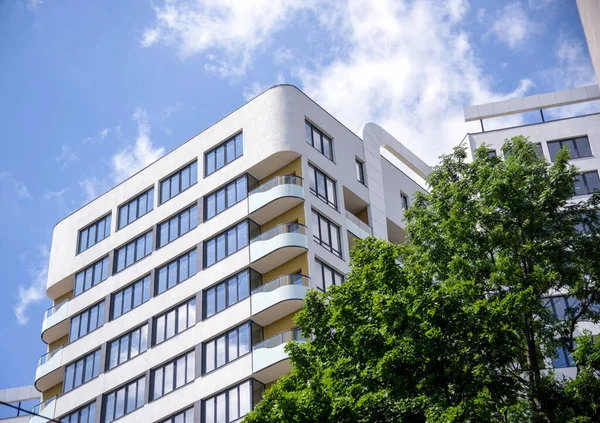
<point>136,208</point>
<point>133,252</point>
<point>178,225</point>
<point>86,321</point>
<point>178,182</point>
<point>491,153</point>
<point>124,400</point>
<point>91,276</point>
<point>537,147</point>
<point>228,242</point>
<point>360,172</point>
<point>577,147</point>
<point>174,321</point>
<point>229,292</point>
<point>234,403</point>
<point>173,375</point>
<point>319,140</point>
<point>559,305</point>
<point>328,275</point>
<point>180,269</point>
<point>227,196</point>
<point>82,371</point>
<point>127,347</point>
<point>563,358</point>
<point>223,154</point>
<point>130,297</point>
<point>403,201</point>
<point>86,414</point>
<point>587,183</point>
<point>186,416</point>
<point>322,186</point>
<point>326,233</point>
<point>94,233</point>
<point>227,347</point>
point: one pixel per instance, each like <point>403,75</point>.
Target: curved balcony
<point>274,197</point>
<point>49,371</point>
<point>277,246</point>
<point>269,359</point>
<point>44,410</point>
<point>357,227</point>
<point>278,298</point>
<point>55,324</point>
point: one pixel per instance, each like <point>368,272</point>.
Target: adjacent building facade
<point>186,276</point>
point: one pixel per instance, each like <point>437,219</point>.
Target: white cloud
<point>513,26</point>
<point>34,4</point>
<point>133,158</point>
<point>35,291</point>
<point>103,133</point>
<point>51,195</point>
<point>235,28</point>
<point>540,4</point>
<point>66,156</point>
<point>91,187</point>
<point>256,87</point>
<point>9,186</point>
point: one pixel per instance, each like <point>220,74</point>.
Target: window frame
<point>252,400</point>
<point>139,329</point>
<point>178,216</point>
<point>404,201</point>
<point>163,369</point>
<point>140,281</point>
<point>83,272</point>
<point>133,242</point>
<point>224,144</point>
<point>105,218</point>
<point>184,413</point>
<point>192,252</point>
<point>179,172</point>
<point>360,171</point>
<point>319,240</point>
<point>250,226</point>
<point>315,171</point>
<point>95,355</point>
<point>136,200</point>
<point>215,195</point>
<point>323,266</point>
<point>139,381</point>
<point>100,316</point>
<point>585,183</point>
<point>562,142</point>
<point>177,330</point>
<point>225,336</point>
<point>322,135</point>
<point>90,416</point>
<point>253,276</point>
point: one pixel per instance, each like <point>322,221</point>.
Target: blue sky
<point>90,92</point>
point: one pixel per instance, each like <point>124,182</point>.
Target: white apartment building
<point>185,277</point>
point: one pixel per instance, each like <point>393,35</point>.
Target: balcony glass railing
<point>276,181</point>
<point>52,310</point>
<point>283,280</point>
<point>44,409</point>
<point>46,357</point>
<point>283,228</point>
<point>352,218</point>
<point>280,338</point>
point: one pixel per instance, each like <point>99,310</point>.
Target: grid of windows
<point>577,147</point>
<point>124,400</point>
<point>178,182</point>
<point>178,225</point>
<point>230,291</point>
<point>173,375</point>
<point>326,233</point>
<point>127,347</point>
<point>86,321</point>
<point>94,233</point>
<point>223,154</point>
<point>130,297</point>
<point>228,242</point>
<point>178,270</point>
<point>227,347</point>
<point>404,201</point>
<point>174,321</point>
<point>86,414</point>
<point>133,251</point>
<point>136,208</point>
<point>227,196</point>
<point>329,276</point>
<point>587,183</point>
<point>360,172</point>
<point>91,276</point>
<point>186,416</point>
<point>234,403</point>
<point>82,371</point>
<point>322,186</point>
<point>319,140</point>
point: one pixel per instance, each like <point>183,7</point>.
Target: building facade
<point>24,398</point>
<point>579,134</point>
<point>186,276</point>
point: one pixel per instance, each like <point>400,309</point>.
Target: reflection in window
<point>130,297</point>
<point>360,172</point>
<point>85,414</point>
<point>186,416</point>
<point>86,321</point>
<point>228,242</point>
<point>319,140</point>
<point>178,182</point>
<point>178,225</point>
<point>326,233</point>
<point>180,269</point>
<point>563,358</point>
<point>230,291</point>
<point>173,375</point>
<point>133,252</point>
<point>82,371</point>
<point>94,233</point>
<point>136,208</point>
<point>223,154</point>
<point>234,403</point>
<point>587,183</point>
<point>329,276</point>
<point>91,276</point>
<point>124,400</point>
<point>322,186</point>
<point>577,147</point>
<point>175,321</point>
<point>227,196</point>
<point>229,346</point>
<point>127,347</point>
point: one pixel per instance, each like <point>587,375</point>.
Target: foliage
<point>461,331</point>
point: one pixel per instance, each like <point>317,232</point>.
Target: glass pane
<point>91,235</point>
<point>96,370</point>
<point>132,211</point>
<point>113,354</point>
<point>174,185</point>
<point>170,324</point>
<point>169,374</point>
<point>230,148</point>
<point>241,187</point>
<point>109,408</point>
<point>193,262</point>
<point>173,228</point>
<point>308,133</point>
<point>107,230</point>
<point>78,373</point>
<point>97,273</point>
<point>583,147</point>
<point>211,247</point>
<point>120,259</point>
<point>164,191</point>
<point>242,231</point>
<point>327,148</point>
<point>209,356</point>
<point>101,230</point>
<point>593,181</point>
<point>193,173</point>
<point>231,196</point>
<point>231,241</point>
<point>233,404</point>
<point>160,330</point>
<point>210,163</point>
<point>162,279</point>
<point>191,367</point>
<point>101,314</point>
<point>141,392</point>
<point>239,145</point>
<point>221,408</point>
<point>123,349</point>
<point>180,372</point>
<point>172,279</point>
<point>210,302</point>
<point>312,182</point>
<point>131,396</point>
<point>189,416</point>
<point>243,285</point>
<point>570,145</point>
<point>137,294</point>
<point>144,338</point>
<point>79,279</point>
<point>209,411</point>
<point>232,345</point>
<point>221,247</point>
<point>560,361</point>
<point>89,277</point>
<point>93,319</point>
<point>220,200</point>
<point>163,234</point>
<point>221,353</point>
<point>327,277</point>
<point>324,232</point>
<point>184,222</point>
<point>245,398</point>
<point>331,198</point>
<point>553,148</point>
<point>69,374</point>
<point>559,307</point>
<point>148,243</point>
<point>146,285</point>
<point>83,326</point>
<point>183,268</point>
<point>83,240</point>
<point>232,290</point>
<point>150,197</point>
<point>321,184</point>
<point>335,239</point>
<point>220,157</point>
<point>185,178</point>
<point>220,297</point>
<point>191,309</point>
<point>134,348</point>
<point>127,294</point>
<point>182,318</point>
<point>244,339</point>
<point>193,217</point>
<point>211,204</point>
<point>74,332</point>
<point>130,254</point>
<point>158,382</point>
<point>142,204</point>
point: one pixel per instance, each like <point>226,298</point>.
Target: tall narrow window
<point>223,154</point>
<point>91,276</point>
<point>173,375</point>
<point>326,233</point>
<point>587,183</point>
<point>133,252</point>
<point>178,270</point>
<point>319,140</point>
<point>178,225</point>
<point>577,147</point>
<point>124,400</point>
<point>360,172</point>
<point>94,233</point>
<point>136,208</point>
<point>178,182</point>
<point>329,276</point>
<point>403,201</point>
<point>174,321</point>
<point>322,186</point>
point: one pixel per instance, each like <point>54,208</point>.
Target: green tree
<point>461,331</point>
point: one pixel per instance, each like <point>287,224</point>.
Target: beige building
<point>186,276</point>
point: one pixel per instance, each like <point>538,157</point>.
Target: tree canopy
<point>461,330</point>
